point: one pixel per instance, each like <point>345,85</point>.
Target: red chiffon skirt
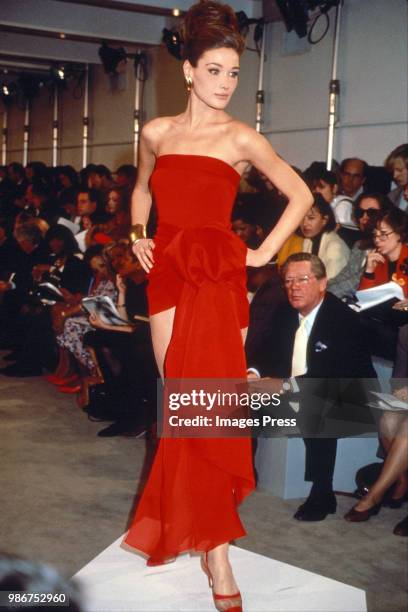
<point>195,485</point>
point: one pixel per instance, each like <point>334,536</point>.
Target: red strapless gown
<point>195,485</point>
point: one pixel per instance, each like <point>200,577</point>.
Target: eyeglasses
<point>382,236</point>
<point>371,213</point>
<point>299,280</point>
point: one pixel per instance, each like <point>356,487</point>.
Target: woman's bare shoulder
<point>243,133</point>
<point>156,129</point>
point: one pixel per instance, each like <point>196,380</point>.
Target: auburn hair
<point>209,25</point>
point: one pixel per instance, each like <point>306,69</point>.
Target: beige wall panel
<point>111,111</point>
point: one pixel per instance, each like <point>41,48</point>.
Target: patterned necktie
<point>299,366</point>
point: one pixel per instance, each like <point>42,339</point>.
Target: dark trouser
<point>320,461</point>
<point>129,370</point>
<point>401,357</point>
<point>39,348</point>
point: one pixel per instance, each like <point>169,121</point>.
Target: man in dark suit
<point>317,339</point>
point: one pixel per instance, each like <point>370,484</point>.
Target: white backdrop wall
<point>111,112</point>
<point>373,69</point>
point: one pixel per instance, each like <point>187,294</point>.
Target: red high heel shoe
<point>62,380</point>
<point>69,389</point>
<point>223,603</point>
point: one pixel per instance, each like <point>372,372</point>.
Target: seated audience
<point>76,324</point>
<point>126,176</point>
<point>37,171</point>
<point>88,202</point>
<point>316,235</point>
<point>125,352</point>
<point>40,203</point>
<point>323,181</point>
<point>353,173</point>
<point>246,225</point>
<point>37,346</point>
<point>118,205</point>
<point>15,200</point>
<point>397,164</point>
<point>388,261</point>
<point>308,341</point>
<point>266,295</point>
<point>100,178</point>
<point>367,210</point>
<point>394,438</point>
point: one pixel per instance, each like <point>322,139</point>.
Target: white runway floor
<point>119,580</point>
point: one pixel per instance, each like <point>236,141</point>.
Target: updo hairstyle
<point>209,25</point>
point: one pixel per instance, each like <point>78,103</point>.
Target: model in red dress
<point>199,268</point>
<point>197,292</point>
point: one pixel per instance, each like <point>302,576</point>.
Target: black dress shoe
<point>401,529</point>
<point>21,371</point>
<point>394,503</point>
<point>359,516</point>
<point>122,429</point>
<point>316,509</point>
<point>391,502</point>
<point>13,356</point>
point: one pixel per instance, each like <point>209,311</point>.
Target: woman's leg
<point>161,325</point>
<point>395,466</point>
<point>64,363</point>
<point>221,571</point>
<point>217,558</point>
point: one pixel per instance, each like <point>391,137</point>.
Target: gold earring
<point>189,83</point>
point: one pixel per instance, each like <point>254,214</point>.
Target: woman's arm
<point>255,149</point>
<point>121,303</point>
<point>97,322</point>
<point>374,273</point>
<point>141,196</point>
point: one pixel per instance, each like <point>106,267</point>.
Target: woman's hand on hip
<point>143,249</point>
<point>257,258</point>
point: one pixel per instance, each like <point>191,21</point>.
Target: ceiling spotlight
<point>7,91</point>
<point>111,57</point>
<point>62,35</point>
<point>172,40</point>
<point>176,12</point>
<point>295,13</point>
<point>58,73</point>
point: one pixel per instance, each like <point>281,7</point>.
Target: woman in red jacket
<point>389,260</point>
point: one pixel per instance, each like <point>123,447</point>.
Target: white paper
<point>367,298</point>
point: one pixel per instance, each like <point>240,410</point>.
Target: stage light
<point>295,13</point>
<point>62,35</point>
<point>8,91</point>
<point>176,12</point>
<point>172,40</point>
<point>111,58</point>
